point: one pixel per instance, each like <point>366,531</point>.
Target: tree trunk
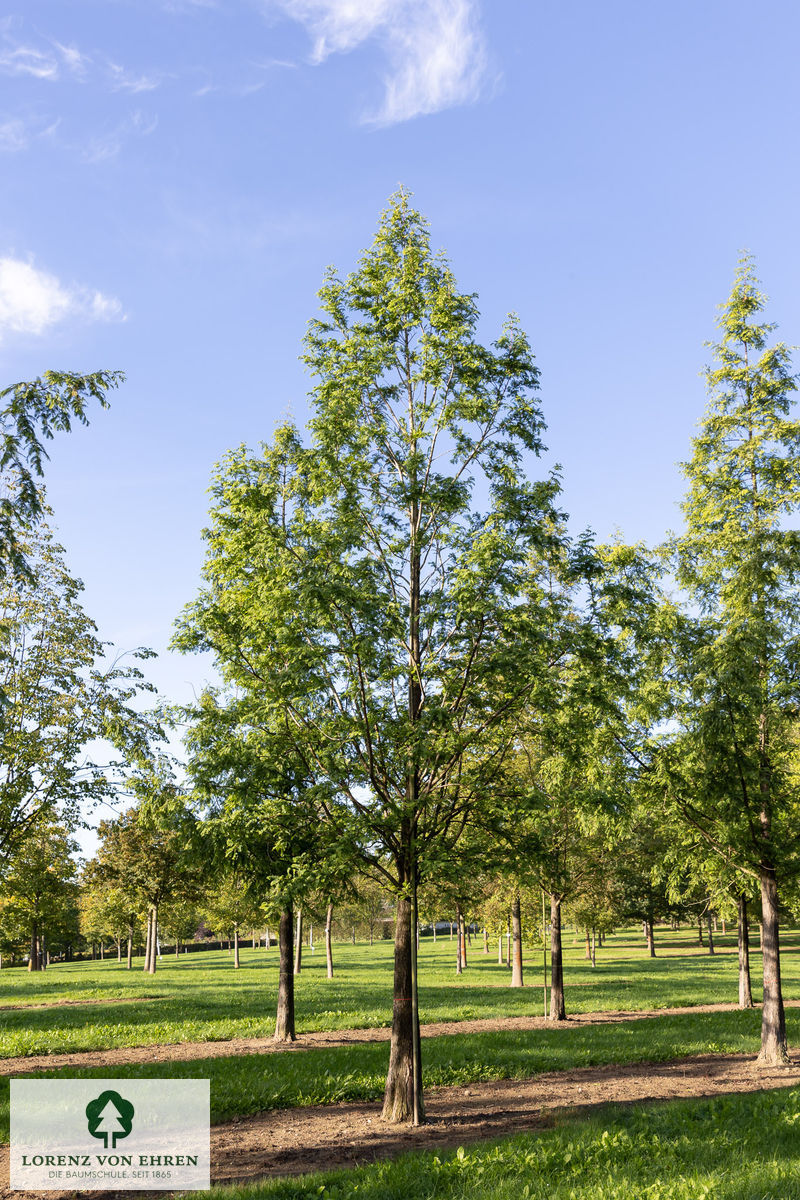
<point>745,990</point>
<point>588,952</point>
<point>459,959</point>
<point>651,940</point>
<point>485,940</point>
<point>398,1100</point>
<point>773,1020</point>
<point>594,948</point>
<point>236,963</point>
<point>709,925</point>
<point>130,944</point>
<point>558,1011</point>
<point>298,943</point>
<point>284,1020</point>
<point>700,941</point>
<point>463,936</point>
<point>148,940</point>
<point>177,946</point>
<point>500,948</point>
<point>154,939</point>
<point>328,944</point>
<point>516,934</point>
<point>33,959</point>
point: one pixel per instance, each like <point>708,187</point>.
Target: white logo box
<point>110,1134</point>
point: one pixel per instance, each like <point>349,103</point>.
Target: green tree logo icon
<point>109,1116</point>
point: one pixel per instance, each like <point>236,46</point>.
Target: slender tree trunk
<point>462,927</point>
<point>33,958</point>
<point>588,952</point>
<point>485,940</point>
<point>709,926</point>
<point>773,1020</point>
<point>236,963</point>
<point>177,946</point>
<point>434,932</point>
<point>700,930</point>
<point>558,1011</point>
<point>500,948</point>
<point>459,959</point>
<point>328,943</point>
<point>594,948</point>
<point>298,943</point>
<point>284,1020</point>
<point>516,928</point>
<point>130,944</point>
<point>148,940</point>
<point>398,1100</point>
<point>154,936</point>
<point>119,949</point>
<point>651,940</point>
<point>745,990</point>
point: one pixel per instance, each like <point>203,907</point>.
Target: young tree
<point>356,590</point>
<point>738,561</point>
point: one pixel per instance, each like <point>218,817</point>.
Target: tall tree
<point>355,587</point>
<point>739,564</point>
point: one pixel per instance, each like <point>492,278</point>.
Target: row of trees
<point>424,674</point>
<point>425,678</point>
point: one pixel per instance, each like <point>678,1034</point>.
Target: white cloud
<point>435,48</point>
<point>14,134</point>
<point>108,145</point>
<point>32,300</point>
<point>27,60</point>
<point>76,63</point>
<point>123,80</point>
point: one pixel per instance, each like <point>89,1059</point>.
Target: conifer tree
<point>739,564</point>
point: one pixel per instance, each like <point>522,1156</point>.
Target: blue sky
<point>178,173</point>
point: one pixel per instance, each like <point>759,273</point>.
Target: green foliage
<point>60,695</point>
<point>728,760</point>
<point>30,414</point>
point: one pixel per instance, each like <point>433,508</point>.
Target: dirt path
<point>185,1051</point>
<point>297,1140</point>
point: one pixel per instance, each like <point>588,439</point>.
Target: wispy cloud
<point>122,80</point>
<point>54,61</point>
<point>32,300</point>
<point>17,133</point>
<point>14,134</point>
<point>435,48</point>
<point>107,145</point>
<point>28,60</point>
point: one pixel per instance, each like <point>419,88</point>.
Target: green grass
<point>731,1148</point>
<point>201,998</point>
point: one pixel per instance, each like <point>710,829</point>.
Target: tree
<point>61,694</point>
<point>41,891</point>
<point>728,770</point>
<point>356,590</point>
<point>30,413</point>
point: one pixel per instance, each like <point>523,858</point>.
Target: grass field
<point>683,1151</point>
<point>734,1148</point>
<point>201,998</point>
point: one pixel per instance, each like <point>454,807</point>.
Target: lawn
<point>732,1148</point>
<point>201,998</point>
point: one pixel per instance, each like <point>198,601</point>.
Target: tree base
<point>773,1056</point>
